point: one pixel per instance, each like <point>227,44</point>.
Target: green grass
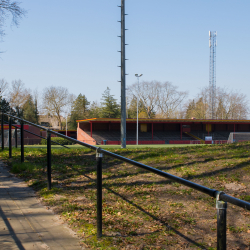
<point>106,147</point>
<point>139,207</point>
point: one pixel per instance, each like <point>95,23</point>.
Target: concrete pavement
<point>25,223</point>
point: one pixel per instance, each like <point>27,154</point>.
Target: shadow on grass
<point>151,215</point>
<point>195,176</point>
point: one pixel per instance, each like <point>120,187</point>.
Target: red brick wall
<point>84,137</point>
<point>34,130</point>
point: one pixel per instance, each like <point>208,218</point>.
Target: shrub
<point>43,142</point>
<point>58,140</point>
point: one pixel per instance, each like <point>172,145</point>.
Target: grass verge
<point>142,210</point>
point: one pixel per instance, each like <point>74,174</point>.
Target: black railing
<point>221,197</point>
<point>27,131</point>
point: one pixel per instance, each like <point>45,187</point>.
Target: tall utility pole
<point>212,71</point>
<point>123,76</point>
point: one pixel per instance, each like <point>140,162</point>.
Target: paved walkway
<point>25,223</point>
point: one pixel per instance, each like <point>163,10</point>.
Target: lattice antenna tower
<point>212,71</point>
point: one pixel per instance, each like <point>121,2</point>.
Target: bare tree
<point>18,95</point>
<point>4,85</point>
<point>231,105</point>
<point>147,94</point>
<point>169,100</point>
<point>228,105</point>
<point>160,99</point>
<point>56,100</point>
<point>10,7</point>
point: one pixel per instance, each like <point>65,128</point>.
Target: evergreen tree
<point>80,106</point>
<point>110,108</point>
<point>200,109</point>
<point>95,110</point>
<point>29,110</point>
<point>5,108</point>
<point>79,110</point>
<point>190,110</point>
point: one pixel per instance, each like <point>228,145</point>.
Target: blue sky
<point>74,44</point>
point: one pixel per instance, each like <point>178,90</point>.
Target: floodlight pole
<point>137,127</point>
<point>123,74</point>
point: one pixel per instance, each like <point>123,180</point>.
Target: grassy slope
<point>140,209</point>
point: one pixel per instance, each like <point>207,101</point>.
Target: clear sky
<point>74,44</point>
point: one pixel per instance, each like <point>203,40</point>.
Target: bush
<point>58,140</point>
<point>43,142</point>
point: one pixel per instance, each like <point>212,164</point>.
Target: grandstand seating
<point>220,135</point>
<point>166,136</point>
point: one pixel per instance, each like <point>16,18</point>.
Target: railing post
<point>49,159</point>
<point>16,137</point>
<point>221,207</point>
<point>22,143</point>
<point>99,193</point>
<point>2,130</point>
<point>10,138</point>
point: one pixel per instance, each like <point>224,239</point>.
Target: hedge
<point>58,140</point>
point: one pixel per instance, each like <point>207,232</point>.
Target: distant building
<point>50,121</point>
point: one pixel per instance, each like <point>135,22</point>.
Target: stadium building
<point>159,131</point>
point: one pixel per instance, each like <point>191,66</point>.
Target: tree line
<point>155,100</point>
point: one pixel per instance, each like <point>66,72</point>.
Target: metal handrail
<point>221,197</point>
<point>203,189</point>
<point>13,125</point>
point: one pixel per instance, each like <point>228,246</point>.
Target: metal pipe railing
<point>2,130</point>
<point>22,142</point>
<point>10,136</point>
<point>99,193</point>
<point>49,159</point>
<point>13,125</point>
<point>221,197</point>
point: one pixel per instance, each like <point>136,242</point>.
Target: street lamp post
<point>66,124</point>
<point>126,103</point>
<point>66,132</point>
<point>137,128</point>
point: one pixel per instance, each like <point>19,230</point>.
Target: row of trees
<point>155,100</point>
<point>228,105</point>
<point>18,100</point>
<point>55,101</point>
<point>163,100</point>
